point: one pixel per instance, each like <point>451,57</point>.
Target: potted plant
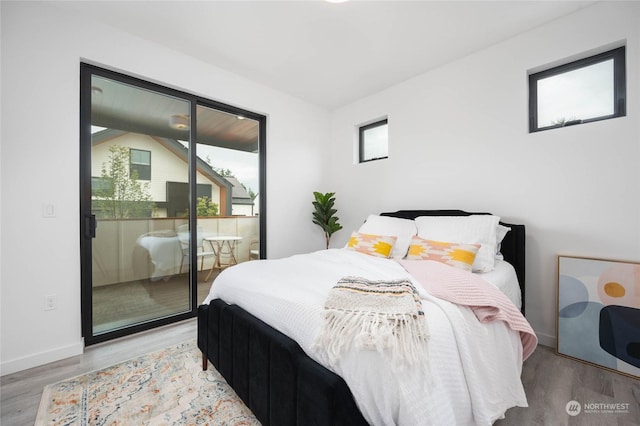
<point>323,215</point>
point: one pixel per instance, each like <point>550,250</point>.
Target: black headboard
<point>512,248</point>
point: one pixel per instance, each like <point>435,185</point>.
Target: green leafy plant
<point>205,207</point>
<point>323,215</point>
<point>119,193</point>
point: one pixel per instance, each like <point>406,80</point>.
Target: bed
<point>264,345</point>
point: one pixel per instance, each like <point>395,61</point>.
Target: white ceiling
<point>328,54</point>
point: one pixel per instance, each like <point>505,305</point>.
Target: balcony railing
<point>142,249</point>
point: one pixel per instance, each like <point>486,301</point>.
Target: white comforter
<point>475,368</point>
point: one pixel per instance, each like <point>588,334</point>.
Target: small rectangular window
<point>140,163</point>
<point>582,91</point>
<point>374,141</point>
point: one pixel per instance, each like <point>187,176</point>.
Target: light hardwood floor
<point>21,392</point>
<point>550,382</point>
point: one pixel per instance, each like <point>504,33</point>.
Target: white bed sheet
<point>475,368</point>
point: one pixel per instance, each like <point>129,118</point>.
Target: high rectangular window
<point>374,141</point>
<point>581,91</point>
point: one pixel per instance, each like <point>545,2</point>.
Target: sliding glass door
<point>169,198</point>
<point>228,225</point>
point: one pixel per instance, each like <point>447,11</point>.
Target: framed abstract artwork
<point>598,315</point>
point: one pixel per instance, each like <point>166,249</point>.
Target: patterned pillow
<point>459,256</point>
<point>404,229</point>
<point>477,228</point>
<point>375,245</point>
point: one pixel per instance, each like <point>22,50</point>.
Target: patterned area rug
<point>167,387</point>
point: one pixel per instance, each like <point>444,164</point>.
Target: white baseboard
<point>546,340</point>
<point>36,360</point>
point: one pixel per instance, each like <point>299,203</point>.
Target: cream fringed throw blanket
<point>381,315</point>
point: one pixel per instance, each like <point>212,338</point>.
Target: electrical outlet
<point>50,302</point>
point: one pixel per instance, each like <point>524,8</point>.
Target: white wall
<point>42,47</point>
<point>459,139</point>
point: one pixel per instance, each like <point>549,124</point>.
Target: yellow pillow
<point>459,256</point>
<point>375,245</point>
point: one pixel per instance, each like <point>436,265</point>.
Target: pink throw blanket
<point>464,288</point>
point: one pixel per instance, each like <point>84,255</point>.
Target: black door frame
<point>87,222</point>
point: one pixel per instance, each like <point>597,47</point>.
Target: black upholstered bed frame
<point>512,247</point>
<point>272,374</point>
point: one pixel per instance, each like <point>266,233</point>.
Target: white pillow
<point>464,230</point>
<point>501,232</point>
<point>404,229</point>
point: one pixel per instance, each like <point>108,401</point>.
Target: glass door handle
<point>90,225</point>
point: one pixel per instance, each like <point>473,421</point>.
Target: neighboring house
<point>163,163</point>
<point>241,201</point>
